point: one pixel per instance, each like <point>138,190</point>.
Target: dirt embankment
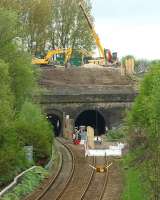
<point>83,77</point>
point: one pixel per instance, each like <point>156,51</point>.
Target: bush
<point>27,184</point>
<point>33,129</point>
<point>12,162</point>
<point>11,155</point>
<point>116,134</point>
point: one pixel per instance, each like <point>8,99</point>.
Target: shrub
<point>27,184</point>
<point>116,134</point>
<point>33,129</point>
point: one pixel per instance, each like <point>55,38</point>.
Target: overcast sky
<point>129,26</point>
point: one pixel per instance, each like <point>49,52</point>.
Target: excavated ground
<point>86,80</point>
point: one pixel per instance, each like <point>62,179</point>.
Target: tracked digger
<point>47,60</point>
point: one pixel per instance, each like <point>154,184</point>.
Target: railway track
<point>97,183</point>
<point>74,178</point>
<point>115,182</point>
<point>81,174</point>
<point>57,184</point>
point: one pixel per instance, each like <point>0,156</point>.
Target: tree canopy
<point>21,121</point>
<point>49,24</point>
<point>144,134</point>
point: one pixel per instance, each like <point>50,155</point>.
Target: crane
<point>105,54</point>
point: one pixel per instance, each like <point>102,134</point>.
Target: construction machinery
<point>106,57</point>
<point>48,59</point>
<point>77,58</point>
<point>80,56</point>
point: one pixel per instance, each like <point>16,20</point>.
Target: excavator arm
<point>50,54</point>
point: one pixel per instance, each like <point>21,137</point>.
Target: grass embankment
<point>27,184</point>
<point>134,185</point>
<point>134,188</point>
<point>32,179</point>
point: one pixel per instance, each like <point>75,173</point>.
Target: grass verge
<point>26,184</point>
<point>134,187</point>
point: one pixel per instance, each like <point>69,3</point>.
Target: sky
<point>129,27</point>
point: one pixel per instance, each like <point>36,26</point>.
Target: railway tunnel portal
<point>92,118</point>
<point>95,97</point>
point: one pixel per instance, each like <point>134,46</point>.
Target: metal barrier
<point>15,181</point>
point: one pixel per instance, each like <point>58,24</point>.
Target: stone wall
<point>73,91</point>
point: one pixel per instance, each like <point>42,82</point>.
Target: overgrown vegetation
<point>21,121</point>
<point>135,184</point>
<point>33,129</point>
<point>144,135</point>
<point>27,184</point>
<point>116,134</point>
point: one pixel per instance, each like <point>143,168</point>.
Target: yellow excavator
<point>106,56</point>
<point>47,60</point>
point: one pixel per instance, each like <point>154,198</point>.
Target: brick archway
<point>93,118</point>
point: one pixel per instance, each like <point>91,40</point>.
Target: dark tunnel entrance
<point>92,118</point>
<point>56,122</point>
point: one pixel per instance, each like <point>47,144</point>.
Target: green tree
<point>144,121</point>
<point>69,28</point>
<point>51,24</point>
<point>18,82</point>
<point>36,18</point>
<point>11,155</point>
<point>8,26</point>
<point>6,99</point>
<point>22,73</point>
<point>33,129</point>
<point>23,79</point>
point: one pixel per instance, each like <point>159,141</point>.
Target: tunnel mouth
<point>92,118</point>
<point>56,123</point>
